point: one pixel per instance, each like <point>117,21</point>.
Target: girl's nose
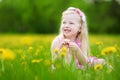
<point>66,25</point>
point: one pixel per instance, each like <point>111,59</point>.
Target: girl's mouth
<point>67,30</point>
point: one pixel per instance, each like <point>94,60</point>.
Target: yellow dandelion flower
<point>104,52</point>
<point>27,40</point>
<point>64,49</point>
<point>109,50</point>
<point>56,50</point>
<point>62,54</point>
<point>7,54</point>
<point>112,49</point>
<point>36,60</point>
<point>98,67</point>
<point>2,51</point>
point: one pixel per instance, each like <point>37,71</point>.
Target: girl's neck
<point>71,38</point>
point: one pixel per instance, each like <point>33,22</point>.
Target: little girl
<point>74,36</point>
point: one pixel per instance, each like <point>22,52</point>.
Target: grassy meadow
<point>28,57</point>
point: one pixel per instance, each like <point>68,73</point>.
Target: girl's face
<point>70,25</point>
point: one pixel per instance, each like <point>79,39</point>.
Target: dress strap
<point>77,42</point>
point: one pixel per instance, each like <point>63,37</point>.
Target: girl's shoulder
<point>58,38</point>
<point>56,41</point>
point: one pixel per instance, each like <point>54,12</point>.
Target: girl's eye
<point>64,22</point>
<point>71,23</point>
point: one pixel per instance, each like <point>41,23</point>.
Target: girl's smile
<point>66,30</point>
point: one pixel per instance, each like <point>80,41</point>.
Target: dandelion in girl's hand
<point>64,49</point>
<point>98,67</point>
<point>108,50</point>
<point>62,54</point>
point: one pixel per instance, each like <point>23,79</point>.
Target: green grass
<point>32,59</point>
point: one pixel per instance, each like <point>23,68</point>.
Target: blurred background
<point>36,16</point>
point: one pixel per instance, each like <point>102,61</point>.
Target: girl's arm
<point>78,52</point>
<point>81,57</point>
<point>55,45</point>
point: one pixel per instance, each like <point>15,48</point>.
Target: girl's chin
<point>66,35</point>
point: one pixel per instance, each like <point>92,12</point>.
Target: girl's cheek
<point>62,28</point>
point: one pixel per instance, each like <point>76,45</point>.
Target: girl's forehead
<point>71,17</point>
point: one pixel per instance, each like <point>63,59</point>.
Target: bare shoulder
<point>56,42</point>
<point>56,39</point>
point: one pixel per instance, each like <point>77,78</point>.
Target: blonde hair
<point>83,36</point>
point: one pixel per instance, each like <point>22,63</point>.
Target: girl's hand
<point>73,46</point>
<point>65,43</point>
<point>69,44</point>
